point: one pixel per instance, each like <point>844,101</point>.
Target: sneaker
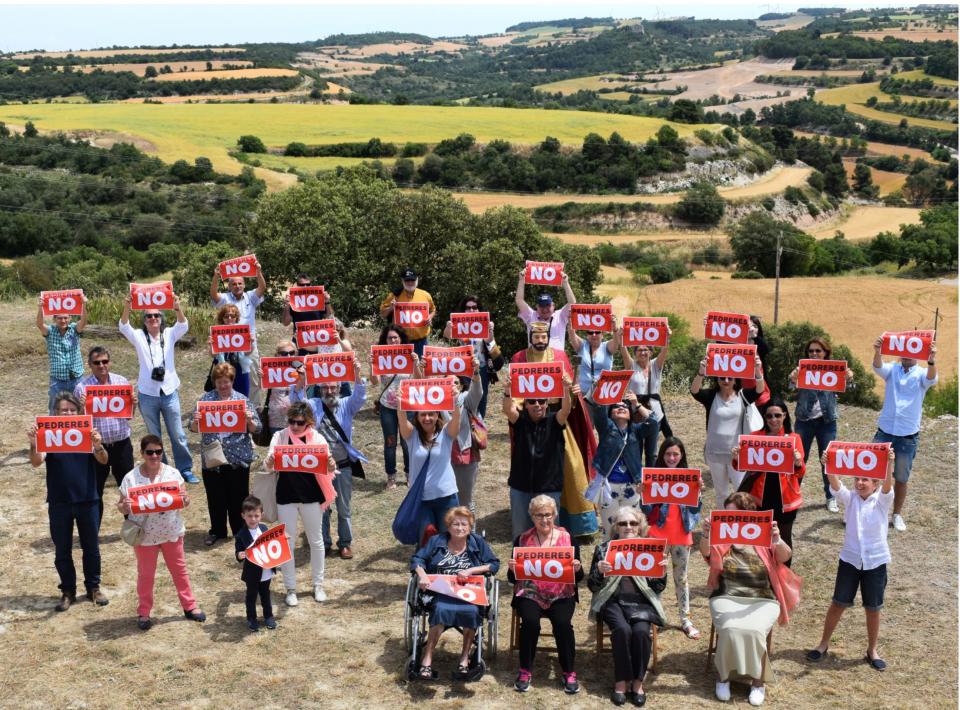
<point>832,506</point>
<point>66,600</point>
<point>189,477</point>
<point>318,594</point>
<point>722,690</point>
<point>522,684</point>
<point>758,694</point>
<point>291,599</point>
<point>570,684</point>
<point>270,623</point>
<point>898,523</point>
<point>97,597</point>
<point>144,623</point>
<point>253,625</point>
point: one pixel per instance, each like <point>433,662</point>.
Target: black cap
<point>408,274</point>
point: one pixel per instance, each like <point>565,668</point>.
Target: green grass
<point>921,74</point>
<point>588,83</point>
<point>942,399</point>
<point>855,96</point>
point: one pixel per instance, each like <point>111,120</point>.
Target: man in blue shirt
<point>899,422</point>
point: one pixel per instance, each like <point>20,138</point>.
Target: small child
<point>863,558</point>
<point>257,578</point>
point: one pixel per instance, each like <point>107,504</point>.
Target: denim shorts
<point>904,448</point>
<point>871,582</point>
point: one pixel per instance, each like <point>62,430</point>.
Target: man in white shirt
<point>247,302</point>
<point>899,422</point>
<point>546,311</point>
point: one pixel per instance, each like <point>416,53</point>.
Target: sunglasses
<point>297,422</point>
<point>620,405</point>
<point>286,353</point>
<point>536,401</point>
<point>100,362</point>
<point>771,415</point>
<point>593,332</point>
<point>303,285</point>
<point>813,351</point>
<point>628,523</point>
<point>153,452</point>
<point>152,315</point>
<point>471,307</point>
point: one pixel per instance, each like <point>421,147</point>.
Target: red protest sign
<point>448,361</point>
<point>307,298</point>
<point>611,386</point>
<point>676,486</point>
<point>544,273</point>
<point>846,458</point>
<point>228,416</point>
<point>330,367</point>
<point>592,316</point>
<point>536,380</point>
<point>651,332</point>
<point>467,326</point>
<point>62,303</point>
<point>773,454</point>
<point>231,338</point>
<point>741,527</point>
<point>271,549</point>
<point>65,435</point>
<point>278,372</point>
<point>636,557</point>
<point>391,360</point>
<point>411,314</point>
<point>244,266</point>
<point>157,295</point>
<point>305,458</point>
<point>731,360</point>
<point>826,375</point>
<point>544,564</point>
<point>472,589</point>
<point>913,344</point>
<point>155,498</point>
<point>727,327</point>
<point>427,395</point>
<point>311,333</point>
<point>108,401</point>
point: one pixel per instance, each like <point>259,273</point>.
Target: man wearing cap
<point>546,311</point>
<point>289,315</point>
<point>409,293</point>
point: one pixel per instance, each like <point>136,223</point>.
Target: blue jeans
<point>343,485</point>
<point>485,382</point>
<point>390,425</point>
<point>905,448</point>
<point>57,386</point>
<point>434,510</point>
<point>168,406</point>
<point>520,520</point>
<point>649,444</point>
<point>87,517</point>
<point>824,432</point>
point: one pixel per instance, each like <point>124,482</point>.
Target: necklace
<point>549,539</point>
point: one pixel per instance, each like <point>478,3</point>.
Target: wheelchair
<point>416,624</point>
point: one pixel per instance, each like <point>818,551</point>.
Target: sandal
<point>427,673</point>
<point>463,670</point>
<point>391,483</point>
<point>690,630</point>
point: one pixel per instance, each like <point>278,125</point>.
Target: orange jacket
<point>789,482</point>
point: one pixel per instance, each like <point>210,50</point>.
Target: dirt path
<point>728,80</point>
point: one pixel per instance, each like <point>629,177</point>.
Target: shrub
<point>746,275</point>
<point>668,270</point>
<point>941,399</point>
<point>754,244</point>
<point>768,203</point>
<point>251,144</point>
<point>701,204</point>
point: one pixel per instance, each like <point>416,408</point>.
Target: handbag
<point>264,487</point>
<point>406,523</point>
<point>131,533</point>
<point>211,454</point>
<point>356,467</point>
<point>750,419</point>
<point>262,437</point>
<point>479,433</point>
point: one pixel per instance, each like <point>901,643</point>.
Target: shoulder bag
<point>262,437</point>
<point>406,523</point>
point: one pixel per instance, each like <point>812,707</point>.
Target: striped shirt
<point>66,362</point>
<point>111,429</point>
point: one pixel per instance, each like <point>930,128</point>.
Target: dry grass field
<point>178,69</point>
<point>727,80</point>
<point>349,653</point>
<point>592,83</point>
<point>395,48</point>
<point>231,74</point>
<point>886,180</point>
<point>336,66</point>
<point>97,53</point>
<point>794,22</point>
<point>854,97</point>
<point>866,222</point>
<point>910,35</point>
<point>876,149</point>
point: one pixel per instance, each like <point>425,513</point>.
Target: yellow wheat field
<point>96,53</point>
<point>231,74</point>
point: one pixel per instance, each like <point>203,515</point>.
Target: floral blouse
<point>158,528</point>
<point>237,448</point>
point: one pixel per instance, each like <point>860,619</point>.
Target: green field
<point>855,96</point>
<point>185,131</point>
<point>921,74</point>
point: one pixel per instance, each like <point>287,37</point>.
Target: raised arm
<point>125,314</point>
<point>510,410</point>
<point>215,285</point>
<point>888,481</point>
<point>614,343</point>
<point>261,282</point>
<point>576,342</point>
<point>518,298</point>
<point>405,425</point>
<point>662,355</point>
<point>877,357</point>
<point>178,309</point>
<point>82,323</point>
<point>626,355</point>
<point>758,376</point>
<point>566,404</point>
<point>41,325</point>
<point>932,362</point>
<point>452,427</point>
<point>697,383</point>
<point>285,317</point>
<point>568,290</point>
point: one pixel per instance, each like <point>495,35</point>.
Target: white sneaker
<point>318,594</point>
<point>291,599</point>
<point>723,690</point>
<point>898,523</point>
<point>832,506</point>
<point>757,695</point>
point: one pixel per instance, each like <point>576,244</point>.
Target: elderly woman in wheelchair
<point>462,553</point>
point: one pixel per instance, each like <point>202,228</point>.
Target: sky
<point>57,26</point>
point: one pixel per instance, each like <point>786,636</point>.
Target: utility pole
<point>776,288</point>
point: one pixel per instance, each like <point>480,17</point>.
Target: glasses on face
<point>297,422</point>
<point>471,307</point>
<point>627,524</point>
<point>152,315</point>
<point>620,405</point>
<point>68,410</point>
<point>97,363</point>
<point>286,353</point>
<point>303,285</point>
<point>536,401</point>
<point>814,351</point>
<point>542,516</point>
<point>773,415</point>
<point>593,332</point>
<point>153,452</point>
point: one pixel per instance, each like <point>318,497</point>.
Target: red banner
<point>330,367</point>
<point>244,266</point>
<point>651,332</point>
<point>148,296</point>
<point>311,333</point>
<point>391,360</point>
<point>472,589</point>
<point>155,498</point>
<point>62,303</point>
<point>222,417</point>
<point>411,314</point>
<point>826,375</point>
<point>536,380</point>
<point>846,458</point>
<point>741,527</point>
<point>913,344</point>
<point>456,362</point>
<point>306,458</point>
<point>544,564</point>
<point>544,273</point>
<point>271,549</point>
<point>773,454</point>
<point>636,557</point>
<point>108,401</point>
<point>231,338</point>
<point>592,316</point>
<point>727,327</point>
<point>65,435</point>
<point>676,486</point>
<point>467,326</point>
<point>278,372</point>
<point>611,386</point>
<point>731,360</point>
<point>427,395</point>
<point>307,298</point>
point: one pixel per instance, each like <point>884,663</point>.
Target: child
<point>257,578</point>
<point>863,558</point>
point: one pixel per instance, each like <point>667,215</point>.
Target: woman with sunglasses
<point>299,494</point>
<point>779,492</point>
<point>816,413</point>
<point>277,401</point>
<point>486,351</point>
<point>230,315</point>
<point>646,381</point>
<point>727,408</point>
<point>629,606</point>
<point>595,354</point>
